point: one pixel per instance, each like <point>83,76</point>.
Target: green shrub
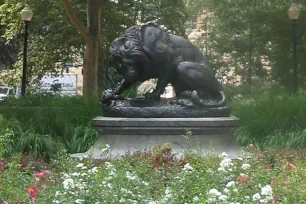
<point>44,124</point>
<point>267,119</point>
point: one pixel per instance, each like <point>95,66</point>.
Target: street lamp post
<point>293,14</point>
<point>26,16</point>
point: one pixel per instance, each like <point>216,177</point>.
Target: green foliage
<point>277,121</point>
<point>44,124</point>
<point>137,179</point>
<point>253,38</point>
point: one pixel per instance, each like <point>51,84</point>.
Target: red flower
<point>268,166</point>
<point>33,191</point>
<point>274,201</point>
<point>242,179</point>
<point>5,202</point>
<point>2,167</point>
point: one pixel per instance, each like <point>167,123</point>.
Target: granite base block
<point>128,135</point>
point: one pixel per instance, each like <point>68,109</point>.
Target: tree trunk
<point>92,52</point>
<point>91,36</point>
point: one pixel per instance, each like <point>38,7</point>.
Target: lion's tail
<point>198,101</point>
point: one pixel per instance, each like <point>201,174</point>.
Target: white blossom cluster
<point>265,195</point>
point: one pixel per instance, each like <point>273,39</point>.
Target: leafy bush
<point>277,121</point>
<point>44,124</point>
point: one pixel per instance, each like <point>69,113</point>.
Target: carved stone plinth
<point>133,134</point>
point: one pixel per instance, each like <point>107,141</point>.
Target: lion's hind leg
<point>201,81</point>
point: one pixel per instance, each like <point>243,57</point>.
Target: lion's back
<point>186,49</point>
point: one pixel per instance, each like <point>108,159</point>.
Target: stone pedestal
<point>214,135</point>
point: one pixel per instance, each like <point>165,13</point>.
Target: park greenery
<point>156,177</point>
<point>252,39</point>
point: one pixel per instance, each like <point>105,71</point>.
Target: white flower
<point>108,165</point>
<point>115,1</point>
<point>231,183</point>
<point>75,174</point>
<point>221,169</point>
<point>214,192</point>
<point>225,163</point>
<point>267,191</point>
<point>168,191</point>
<point>210,170</point>
<point>223,155</point>
<point>130,176</point>
<point>94,170</point>
<point>211,200</point>
<point>245,166</point>
<point>122,200</point>
<point>152,202</point>
<point>79,201</point>
<point>226,191</point>
<point>55,201</point>
<point>69,183</point>
<point>109,185</point>
<point>223,197</point>
<point>235,190</point>
<point>256,197</point>
<point>187,167</point>
<point>80,165</point>
<point>57,193</point>
<point>263,201</point>
<point>195,199</point>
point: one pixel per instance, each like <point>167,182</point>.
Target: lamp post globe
<point>293,15</point>
<point>293,12</point>
<point>26,15</point>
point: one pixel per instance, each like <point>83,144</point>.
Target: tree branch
<point>75,21</point>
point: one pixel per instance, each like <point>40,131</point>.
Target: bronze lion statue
<point>147,51</point>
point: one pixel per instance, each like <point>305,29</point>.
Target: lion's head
<point>129,58</point>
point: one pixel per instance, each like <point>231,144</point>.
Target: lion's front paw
<point>106,97</point>
<point>152,96</point>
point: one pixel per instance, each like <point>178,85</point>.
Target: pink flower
<point>251,146</point>
<point>46,173</point>
<point>5,202</point>
<point>40,174</point>
<point>291,166</point>
<point>37,179</point>
<point>44,186</point>
<point>33,197</point>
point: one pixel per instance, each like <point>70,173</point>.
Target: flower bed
<point>268,176</point>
